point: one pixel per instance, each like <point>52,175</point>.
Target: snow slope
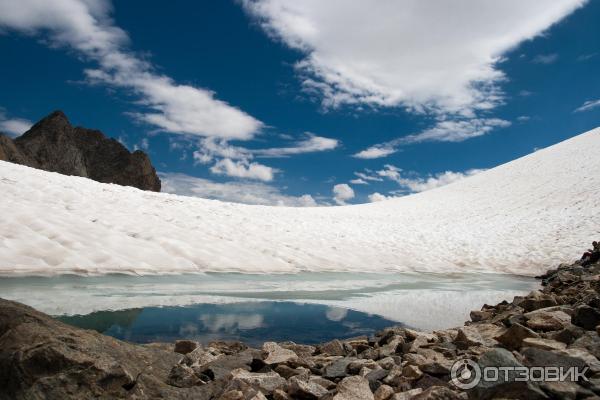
<point>520,217</point>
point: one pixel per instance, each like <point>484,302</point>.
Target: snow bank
<point>520,217</point>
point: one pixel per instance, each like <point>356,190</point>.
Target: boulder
<point>338,368</point>
<point>266,382</point>
<point>544,344</point>
<point>513,338</point>
<point>303,388</point>
<point>185,346</point>
<point>383,392</point>
<point>41,358</point>
<point>354,388</point>
<point>275,354</point>
<point>547,320</point>
<point>438,393</point>
<point>586,317</point>
<point>333,348</point>
<point>477,335</point>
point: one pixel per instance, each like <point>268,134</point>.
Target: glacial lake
<point>305,307</point>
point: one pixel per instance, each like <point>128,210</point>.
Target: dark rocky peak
<point>53,144</point>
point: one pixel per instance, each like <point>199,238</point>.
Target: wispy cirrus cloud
<point>442,131</point>
<point>588,105</point>
<point>545,58</point>
<point>411,182</point>
<point>86,27</point>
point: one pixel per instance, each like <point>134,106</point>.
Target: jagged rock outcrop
<point>53,144</point>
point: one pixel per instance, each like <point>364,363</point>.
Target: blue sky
<point>304,103</point>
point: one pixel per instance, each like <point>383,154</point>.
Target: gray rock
<point>587,317</point>
<point>505,387</point>
<point>438,393</point>
<point>275,354</point>
<point>338,368</point>
<point>41,358</point>
<point>547,320</point>
<point>383,392</point>
<point>407,395</point>
<point>183,376</point>
<point>185,346</point>
<point>477,335</point>
<point>354,388</point>
<point>265,382</point>
<point>512,339</point>
<point>333,348</point>
<point>544,344</point>
<point>305,389</point>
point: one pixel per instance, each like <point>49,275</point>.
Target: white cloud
<point>368,176</point>
<point>238,192</point>
<point>407,53</point>
<point>342,193</point>
<point>243,169</point>
<point>376,151</point>
<point>545,58</point>
<point>374,197</point>
<point>415,184</point>
<point>13,126</point>
<point>523,118</point>
<point>443,131</point>
<point>311,144</point>
<point>359,181</point>
<point>588,105</point>
<point>86,27</point>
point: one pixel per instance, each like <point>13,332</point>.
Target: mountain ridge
<point>54,145</point>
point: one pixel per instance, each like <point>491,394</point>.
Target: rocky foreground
<point>41,358</point>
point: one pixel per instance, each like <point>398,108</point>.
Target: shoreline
<point>553,326</point>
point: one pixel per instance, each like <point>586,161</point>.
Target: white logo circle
<point>465,374</point>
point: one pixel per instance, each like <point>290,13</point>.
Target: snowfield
<point>520,217</point>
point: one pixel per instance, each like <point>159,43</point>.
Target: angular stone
<point>383,392</point>
<point>387,363</point>
<point>438,393</point>
<point>477,335</point>
<point>566,335</point>
<point>407,395</point>
<point>507,387</point>
<point>333,348</point>
<point>185,346</point>
<point>477,316</point>
<point>232,395</point>
<point>279,394</point>
<point>514,335</point>
<point>354,388</point>
<point>537,300</point>
<point>305,389</point>
<point>198,357</point>
<point>183,376</point>
<point>412,372</point>
<point>275,354</point>
<point>338,368</point>
<point>587,317</point>
<point>547,320</point>
<point>544,344</point>
<point>265,382</point>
